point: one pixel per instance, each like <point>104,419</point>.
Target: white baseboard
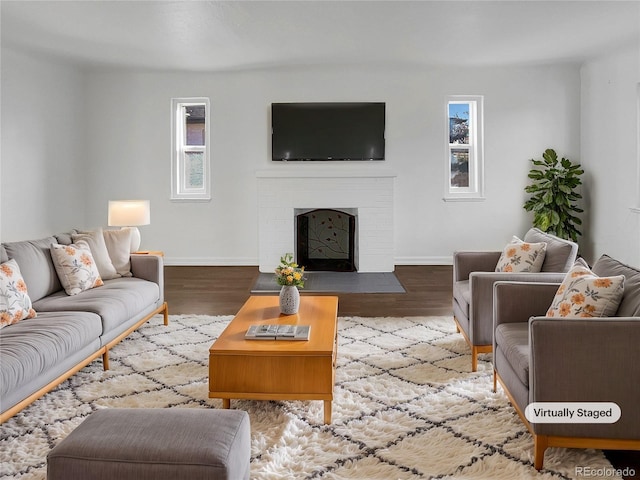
<point>447,260</point>
<point>211,261</point>
<point>250,262</point>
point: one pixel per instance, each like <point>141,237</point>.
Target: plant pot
<point>289,300</point>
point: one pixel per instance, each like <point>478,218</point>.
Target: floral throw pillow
<point>75,266</point>
<point>519,256</point>
<point>15,303</point>
<point>584,294</point>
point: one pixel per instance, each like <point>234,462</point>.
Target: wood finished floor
<point>223,290</point>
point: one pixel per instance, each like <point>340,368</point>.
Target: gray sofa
<point>69,332</point>
<point>552,359</point>
<point>473,278</point>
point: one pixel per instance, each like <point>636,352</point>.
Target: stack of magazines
<point>278,332</point>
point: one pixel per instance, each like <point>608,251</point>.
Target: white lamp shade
<point>129,213</point>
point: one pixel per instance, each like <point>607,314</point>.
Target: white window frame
<point>475,190</point>
<point>180,190</point>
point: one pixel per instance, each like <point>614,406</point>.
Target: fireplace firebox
<point>325,240</point>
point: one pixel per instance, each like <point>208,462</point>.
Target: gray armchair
<point>473,278</point>
<point>542,359</point>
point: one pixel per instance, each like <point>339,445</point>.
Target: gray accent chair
<point>542,359</point>
<point>473,278</point>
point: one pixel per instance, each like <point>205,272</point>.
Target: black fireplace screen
<point>325,240</point>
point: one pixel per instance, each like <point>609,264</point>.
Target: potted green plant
<point>553,189</point>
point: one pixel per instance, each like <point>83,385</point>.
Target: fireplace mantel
<point>367,189</point>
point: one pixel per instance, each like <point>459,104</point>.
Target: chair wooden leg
<point>495,381</point>
<point>474,359</point>
<point>540,443</point>
<point>166,313</point>
<point>105,360</point>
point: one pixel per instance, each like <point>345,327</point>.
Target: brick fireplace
<point>285,191</point>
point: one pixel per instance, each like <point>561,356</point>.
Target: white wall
<point>128,131</point>
<point>42,189</point>
<point>610,136</point>
<point>73,140</point>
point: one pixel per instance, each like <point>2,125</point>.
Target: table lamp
<point>130,214</point>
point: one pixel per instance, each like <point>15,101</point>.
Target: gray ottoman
<point>158,444</point>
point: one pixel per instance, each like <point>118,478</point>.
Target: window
<point>464,161</point>
<point>190,149</point>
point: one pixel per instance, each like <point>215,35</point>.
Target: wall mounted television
<point>327,131</point>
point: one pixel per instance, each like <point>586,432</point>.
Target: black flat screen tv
<point>327,131</point>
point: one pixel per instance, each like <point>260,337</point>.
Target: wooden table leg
<point>226,403</point>
<point>327,412</point>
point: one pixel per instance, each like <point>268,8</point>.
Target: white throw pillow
<point>75,266</point>
<point>119,245</point>
<point>15,303</point>
<point>99,251</point>
<point>519,256</point>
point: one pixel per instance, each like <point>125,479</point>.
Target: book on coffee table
<point>278,332</point>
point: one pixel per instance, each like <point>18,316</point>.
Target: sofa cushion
<point>462,295</point>
<point>582,293</point>
<point>15,303</point>
<point>116,302</point>
<point>76,267</point>
<point>513,340</point>
<point>560,253</point>
<point>98,247</point>
<point>118,244</point>
<point>36,265</point>
<point>630,303</point>
<point>519,256</point>
<point>35,345</point>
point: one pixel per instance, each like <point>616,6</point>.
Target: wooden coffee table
<point>277,369</point>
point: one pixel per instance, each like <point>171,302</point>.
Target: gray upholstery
<point>570,359</point>
<point>606,266</point>
<point>150,268</point>
<point>35,347</point>
<point>155,444</point>
<point>560,253</point>
<point>514,340</point>
<point>474,275</point>
<point>36,266</point>
<point>117,301</point>
<point>69,331</point>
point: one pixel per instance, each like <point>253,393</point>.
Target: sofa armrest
<point>517,302</point>
<point>465,262</point>
<point>149,267</point>
<point>588,360</point>
<point>481,302</point>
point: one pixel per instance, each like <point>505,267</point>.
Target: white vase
<point>289,300</point>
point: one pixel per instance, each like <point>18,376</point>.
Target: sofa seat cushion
<point>35,345</point>
<point>462,295</point>
<point>513,340</point>
<point>116,302</point>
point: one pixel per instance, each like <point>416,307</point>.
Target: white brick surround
<point>367,190</point>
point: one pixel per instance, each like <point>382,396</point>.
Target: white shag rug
<point>406,406</point>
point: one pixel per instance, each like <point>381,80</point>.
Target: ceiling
<point>231,35</point>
